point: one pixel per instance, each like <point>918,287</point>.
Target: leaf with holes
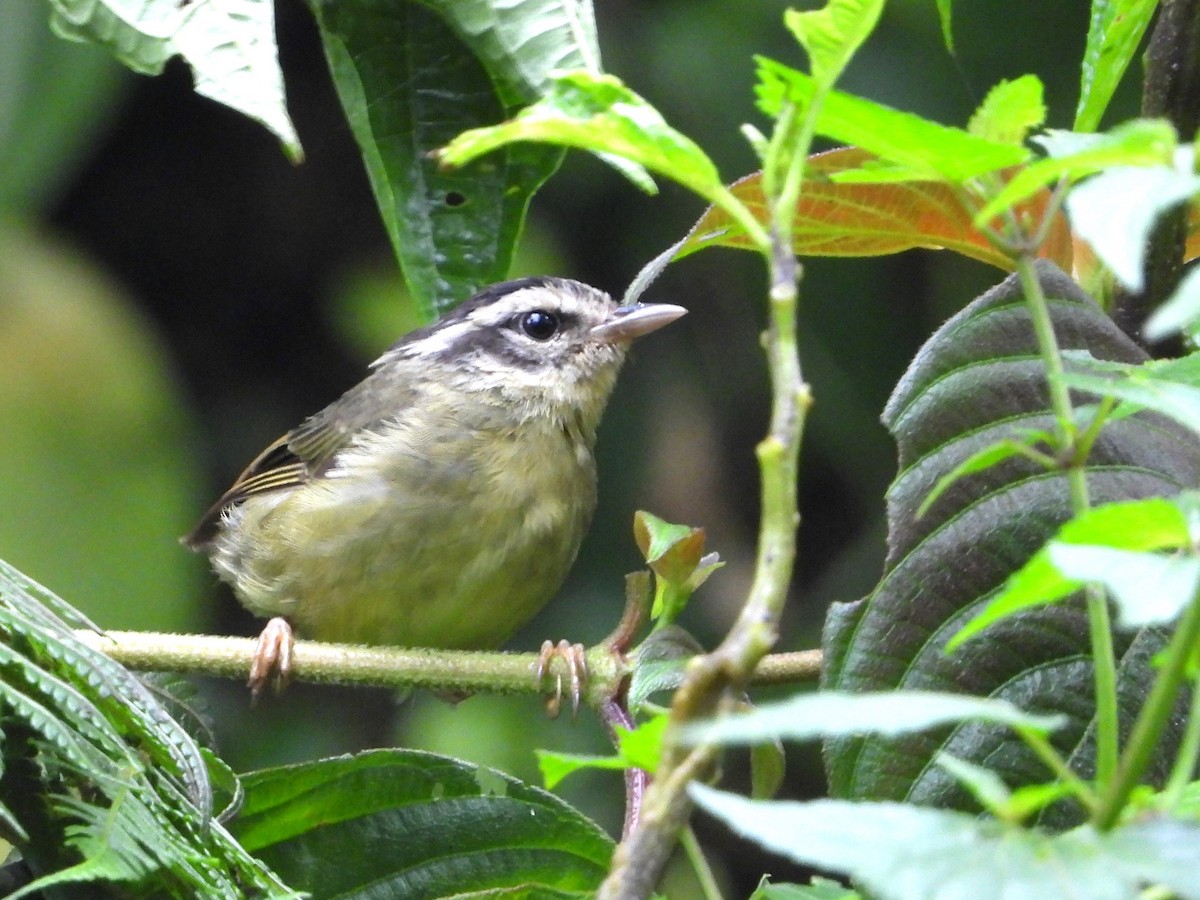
<point>976,382</point>
<point>410,77</point>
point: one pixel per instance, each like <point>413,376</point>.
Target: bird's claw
<point>575,659</point>
<point>271,663</point>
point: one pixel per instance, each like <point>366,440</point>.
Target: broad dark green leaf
<point>978,381</point>
<point>409,81</point>
<point>899,851</point>
<point>402,823</point>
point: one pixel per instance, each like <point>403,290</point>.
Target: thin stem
<point>1055,763</point>
<point>1184,769</point>
<point>704,873</point>
<point>1099,625</point>
<point>1152,718</point>
<point>348,664</point>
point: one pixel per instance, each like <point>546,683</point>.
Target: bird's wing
<point>300,455</point>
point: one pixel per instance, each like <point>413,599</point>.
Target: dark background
<point>174,294</point>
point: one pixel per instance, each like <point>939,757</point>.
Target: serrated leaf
<point>817,889</point>
<point>414,824</point>
<point>978,381</point>
<point>1010,111</point>
<point>832,35</point>
<point>597,113</point>
<point>826,713</point>
<point>230,48</point>
<point>1147,588</point>
<point>1145,386</point>
<point>926,149</point>
<point>905,852</point>
<point>835,217</point>
<point>1114,31</point>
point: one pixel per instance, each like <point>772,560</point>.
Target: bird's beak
<point>629,322</point>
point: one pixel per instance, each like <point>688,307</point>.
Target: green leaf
<point>410,824</point>
<point>945,17</point>
<point>976,382</point>
<point>983,459</point>
<point>827,713</point>
<point>1148,386</point>
<point>661,661</point>
<point>1180,312</point>
<point>817,889</point>
<point>832,35</point>
<point>1147,588</point>
<point>101,783</point>
<point>229,48</point>
<point>1072,156</point>
<point>1116,210</point>
<point>408,84</point>
<point>597,113</point>
<point>925,149</point>
<point>1115,29</point>
<point>1010,111</point>
<point>1138,525</point>
<point>556,766</point>
<point>985,785</point>
<point>899,851</point>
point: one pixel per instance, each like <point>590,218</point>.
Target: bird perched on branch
<point>441,501</point>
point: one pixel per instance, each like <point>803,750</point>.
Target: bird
<point>442,500</point>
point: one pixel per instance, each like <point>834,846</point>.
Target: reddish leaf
<point>843,219</point>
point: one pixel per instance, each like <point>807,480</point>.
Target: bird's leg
<point>574,657</point>
<point>272,660</point>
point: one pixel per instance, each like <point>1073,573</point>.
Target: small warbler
<point>442,500</point>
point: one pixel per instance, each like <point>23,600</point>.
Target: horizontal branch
<point>392,667</point>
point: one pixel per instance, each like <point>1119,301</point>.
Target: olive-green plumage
<point>440,502</point>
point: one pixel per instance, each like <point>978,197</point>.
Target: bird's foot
<point>574,657</point>
<point>271,663</point>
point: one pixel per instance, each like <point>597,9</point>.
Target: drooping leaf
<point>404,823</point>
<point>600,114</point>
<point>410,80</point>
<point>230,48</point>
<point>898,851</point>
<point>1115,29</point>
<point>976,382</point>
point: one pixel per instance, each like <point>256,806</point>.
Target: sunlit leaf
<point>1010,111</point>
<point>899,851</point>
<point>809,716</point>
<point>600,114</point>
<point>929,150</point>
<point>1114,31</point>
<point>1072,156</point>
<point>849,219</point>
<point>1180,312</point>
<point>832,34</point>
<point>1147,588</point>
<point>1135,525</point>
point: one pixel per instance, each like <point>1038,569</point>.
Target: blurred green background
<point>174,295</point>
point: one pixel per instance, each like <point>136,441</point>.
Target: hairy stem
<point>1099,624</point>
<point>392,667</point>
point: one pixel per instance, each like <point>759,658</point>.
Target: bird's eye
<point>539,324</point>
